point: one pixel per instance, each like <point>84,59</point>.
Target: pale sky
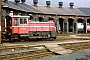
<point>77,3</point>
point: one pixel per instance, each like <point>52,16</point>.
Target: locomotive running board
<point>38,37</point>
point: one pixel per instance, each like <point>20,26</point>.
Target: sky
<point>77,3</point>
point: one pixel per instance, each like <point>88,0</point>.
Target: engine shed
<point>70,19</point>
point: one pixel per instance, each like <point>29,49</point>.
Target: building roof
<point>75,11</point>
<point>52,10</point>
<point>58,11</point>
<point>47,10</point>
<point>12,5</point>
<point>85,11</point>
<point>20,7</point>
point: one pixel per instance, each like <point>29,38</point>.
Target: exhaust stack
<point>35,2</point>
<point>71,5</point>
<point>17,2</point>
<point>6,1</point>
<point>48,3</point>
<point>23,1</point>
<point>60,4</point>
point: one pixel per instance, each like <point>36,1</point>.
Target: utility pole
<point>0,21</point>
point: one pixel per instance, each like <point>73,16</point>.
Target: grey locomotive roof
<point>84,10</point>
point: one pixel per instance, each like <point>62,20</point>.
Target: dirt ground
<point>60,38</point>
<point>73,37</point>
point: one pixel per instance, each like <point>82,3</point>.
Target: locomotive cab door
<point>15,25</point>
<point>23,25</point>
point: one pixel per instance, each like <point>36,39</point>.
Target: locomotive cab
<point>15,26</point>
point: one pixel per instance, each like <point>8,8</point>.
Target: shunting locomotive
<point>22,27</point>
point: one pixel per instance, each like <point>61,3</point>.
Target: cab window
<point>15,22</point>
<point>23,20</point>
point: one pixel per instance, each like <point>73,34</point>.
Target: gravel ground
<point>60,39</point>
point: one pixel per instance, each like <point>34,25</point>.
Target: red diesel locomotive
<point>21,27</point>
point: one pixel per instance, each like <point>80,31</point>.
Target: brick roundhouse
<point>67,17</point>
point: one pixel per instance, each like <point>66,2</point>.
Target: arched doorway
<point>51,18</point>
<point>80,25</point>
<point>31,18</point>
<point>61,24</point>
<point>88,25</point>
<point>41,19</point>
<point>70,24</point>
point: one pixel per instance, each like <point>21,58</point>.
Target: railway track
<point>76,46</point>
<point>20,52</point>
<point>30,52</point>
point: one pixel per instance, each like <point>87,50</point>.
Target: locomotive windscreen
<point>23,20</point>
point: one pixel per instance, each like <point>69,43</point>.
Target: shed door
<point>8,23</point>
<point>65,27</point>
<point>74,26</point>
<point>85,26</point>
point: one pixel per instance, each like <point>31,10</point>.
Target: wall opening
<point>80,25</point>
<point>88,25</point>
<point>50,18</point>
<point>31,18</point>
<point>61,23</point>
<point>40,19</point>
<point>70,24</point>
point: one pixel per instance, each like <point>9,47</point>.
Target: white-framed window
<point>23,20</point>
<point>16,22</point>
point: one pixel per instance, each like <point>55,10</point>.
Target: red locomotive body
<point>22,27</point>
<point>88,27</point>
